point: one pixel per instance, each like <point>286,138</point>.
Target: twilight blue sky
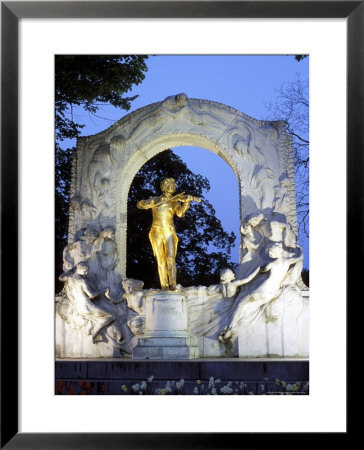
<point>247,83</point>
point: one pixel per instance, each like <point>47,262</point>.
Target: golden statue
<point>162,235</point>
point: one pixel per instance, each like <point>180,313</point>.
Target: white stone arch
<point>259,153</point>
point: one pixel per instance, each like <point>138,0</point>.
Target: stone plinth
<point>166,314</point>
<point>166,332</point>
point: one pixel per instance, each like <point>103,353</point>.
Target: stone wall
<point>108,377</point>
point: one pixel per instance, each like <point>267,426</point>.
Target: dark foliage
<point>203,247</point>
<point>300,57</point>
<point>305,274</point>
<point>91,80</point>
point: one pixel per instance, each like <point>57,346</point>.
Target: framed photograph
<point>22,216</point>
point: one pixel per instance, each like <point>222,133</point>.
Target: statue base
<point>166,328</point>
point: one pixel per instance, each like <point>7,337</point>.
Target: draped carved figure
<point>274,277</point>
<point>93,300</point>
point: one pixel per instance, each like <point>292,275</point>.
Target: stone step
<point>165,352</point>
<point>162,341</point>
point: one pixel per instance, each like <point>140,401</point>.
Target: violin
<point>181,197</point>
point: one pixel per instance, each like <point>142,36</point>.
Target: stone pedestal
<point>166,328</point>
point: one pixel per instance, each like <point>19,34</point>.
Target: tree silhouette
<point>91,80</point>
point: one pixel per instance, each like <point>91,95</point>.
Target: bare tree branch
<point>292,106</point>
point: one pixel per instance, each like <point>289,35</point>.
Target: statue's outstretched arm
<point>252,244</point>
<point>238,283</point>
<point>213,289</point>
<point>297,258</point>
<point>266,268</point>
<point>146,204</point>
<point>114,300</point>
<point>89,293</point>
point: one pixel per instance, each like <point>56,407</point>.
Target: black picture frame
<point>11,12</point>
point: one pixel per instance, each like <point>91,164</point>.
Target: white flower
<point>182,381</point>
<point>230,383</point>
<point>168,389</point>
<point>289,387</point>
<point>218,381</point>
<point>143,386</point>
<point>213,391</point>
<point>195,390</point>
<point>135,387</point>
<point>251,393</point>
<point>150,379</point>
<point>226,390</point>
<point>178,385</point>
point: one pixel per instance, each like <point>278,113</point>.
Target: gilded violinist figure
<point>162,234</point>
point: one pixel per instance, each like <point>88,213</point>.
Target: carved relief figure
<point>104,259</point>
<point>99,171</point>
<point>105,249</point>
<point>84,207</point>
<point>162,234</point>
<point>257,175</point>
<point>273,280</point>
<point>279,231</point>
<point>99,174</point>
<point>228,285</point>
<point>179,109</point>
<point>252,243</point>
<point>281,202</point>
<point>79,250</point>
<point>262,184</point>
<point>119,332</point>
<point>93,289</point>
<point>80,294</point>
<point>134,296</point>
<point>210,307</point>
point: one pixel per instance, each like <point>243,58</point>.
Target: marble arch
<point>259,152</point>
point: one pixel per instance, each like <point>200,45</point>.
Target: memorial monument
<point>259,311</point>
